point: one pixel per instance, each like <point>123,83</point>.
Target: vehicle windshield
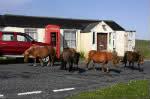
<point>30,38</point>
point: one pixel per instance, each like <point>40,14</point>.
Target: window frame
<point>71,40</point>
<point>31,31</point>
<point>7,33</point>
<point>27,39</point>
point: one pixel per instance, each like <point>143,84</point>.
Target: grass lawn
<point>144,47</point>
<point>139,89</point>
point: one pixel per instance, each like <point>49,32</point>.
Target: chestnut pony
<point>102,57</point>
<point>43,53</point>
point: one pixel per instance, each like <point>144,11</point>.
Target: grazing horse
<point>70,56</point>
<point>132,57</point>
<point>43,53</point>
<point>102,57</point>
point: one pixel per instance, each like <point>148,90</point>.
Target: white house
<point>81,34</point>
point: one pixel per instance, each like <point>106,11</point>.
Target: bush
<point>82,55</point>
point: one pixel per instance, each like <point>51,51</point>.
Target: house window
<point>113,43</point>
<point>104,27</point>
<point>69,39</point>
<point>93,37</point>
<point>131,34</point>
<point>114,37</point>
<point>31,32</point>
<point>109,38</point>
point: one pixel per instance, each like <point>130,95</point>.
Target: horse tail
<point>124,57</point>
<point>52,53</point>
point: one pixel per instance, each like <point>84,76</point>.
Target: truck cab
<point>15,43</point>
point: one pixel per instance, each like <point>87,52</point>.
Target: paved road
<point>23,81</point>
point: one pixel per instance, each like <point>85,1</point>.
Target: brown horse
<point>43,53</point>
<point>70,56</point>
<point>132,57</point>
<point>102,57</point>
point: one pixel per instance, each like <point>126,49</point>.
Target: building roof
<point>113,25</point>
<point>90,26</point>
<point>41,22</point>
<point>1,20</point>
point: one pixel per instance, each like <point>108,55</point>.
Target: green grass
<point>144,47</point>
<point>131,90</point>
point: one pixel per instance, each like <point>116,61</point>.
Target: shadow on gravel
<point>14,61</point>
<point>134,68</point>
<point>111,70</point>
<point>74,69</point>
<point>9,74</point>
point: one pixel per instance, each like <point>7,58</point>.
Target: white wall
<point>40,34</point>
<point>86,42</point>
<point>14,29</point>
<point>120,42</point>
<point>131,40</point>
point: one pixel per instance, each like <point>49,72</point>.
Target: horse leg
<point>132,65</point>
<point>63,65</point>
<point>139,67</point>
<point>125,64</point>
<point>87,64</point>
<point>103,66</point>
<point>53,59</point>
<point>41,62</point>
<point>49,63</point>
<point>70,66</point>
<point>34,64</point>
<point>94,66</point>
<point>107,69</point>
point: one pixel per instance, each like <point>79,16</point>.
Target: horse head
<point>27,53</point>
<point>26,56</point>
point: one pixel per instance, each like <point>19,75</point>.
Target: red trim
<point>48,30</point>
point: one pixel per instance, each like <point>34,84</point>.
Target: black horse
<point>70,56</point>
<point>131,57</point>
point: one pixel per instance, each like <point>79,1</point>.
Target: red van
<point>15,43</point>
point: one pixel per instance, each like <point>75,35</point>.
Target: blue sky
<point>130,14</point>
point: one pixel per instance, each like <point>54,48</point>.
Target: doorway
<point>101,41</point>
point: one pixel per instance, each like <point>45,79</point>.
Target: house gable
<point>102,27</point>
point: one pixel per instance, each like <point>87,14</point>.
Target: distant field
<point>144,47</point>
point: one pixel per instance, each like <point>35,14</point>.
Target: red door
<point>52,37</point>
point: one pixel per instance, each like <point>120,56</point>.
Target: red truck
<point>15,43</point>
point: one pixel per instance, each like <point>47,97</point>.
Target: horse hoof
<point>34,65</point>
<point>87,69</point>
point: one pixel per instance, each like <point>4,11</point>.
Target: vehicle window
<point>8,37</point>
<point>21,38</point>
<point>29,38</point>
